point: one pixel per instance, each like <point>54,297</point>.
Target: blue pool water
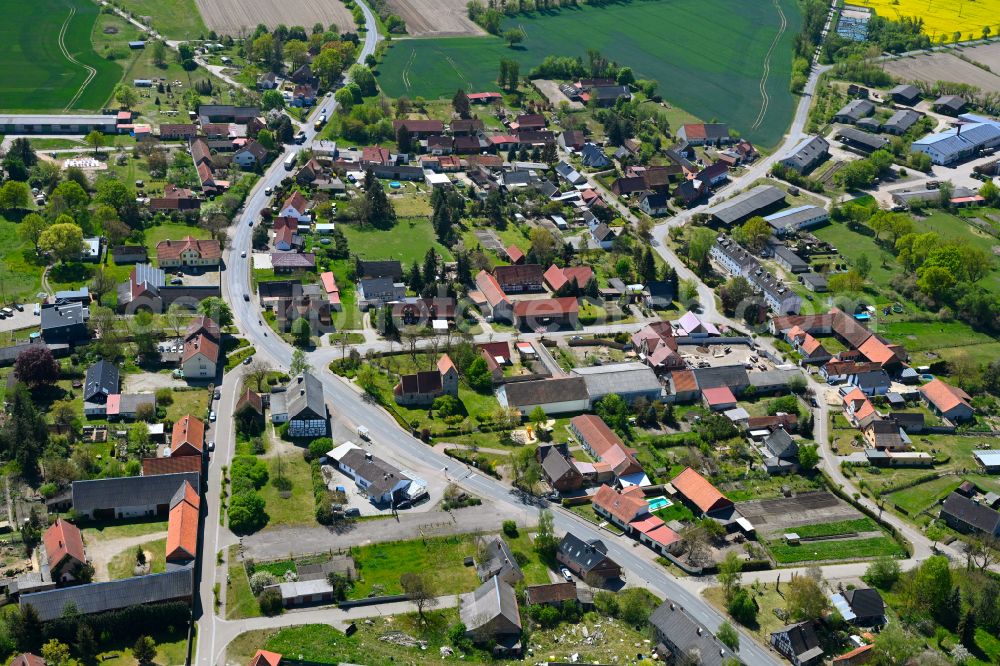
<point>657,503</point>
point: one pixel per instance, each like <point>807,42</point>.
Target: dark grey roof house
<point>306,405</point>
<point>128,496</point>
<point>491,614</point>
<point>854,111</point>
<point>733,376</point>
<point>64,322</point>
<point>863,141</point>
<point>102,381</point>
<point>867,606</point>
<point>969,516</point>
<point>680,637</point>
<point>901,121</point>
<point>497,560</point>
<point>799,643</point>
<point>380,269</point>
<point>587,559</point>
<point>781,444</point>
<point>175,585</point>
<point>905,93</point>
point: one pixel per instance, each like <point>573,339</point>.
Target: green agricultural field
<point>175,19</point>
<point>48,61</point>
<point>923,495</point>
<point>750,41</point>
<point>847,549</point>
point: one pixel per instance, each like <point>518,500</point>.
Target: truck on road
<point>364,434</point>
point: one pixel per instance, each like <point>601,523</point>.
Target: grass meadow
<point>48,57</point>
<point>175,19</point>
<point>707,55</point>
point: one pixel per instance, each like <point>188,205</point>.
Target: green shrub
<point>510,528</point>
<point>270,603</point>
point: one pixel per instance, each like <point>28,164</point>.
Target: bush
<point>270,603</point>
<point>282,483</point>
<point>164,397</point>
<point>510,528</point>
<point>318,448</point>
<point>260,580</point>
<point>246,512</point>
<point>743,608</point>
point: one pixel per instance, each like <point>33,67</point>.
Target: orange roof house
<point>698,491</point>
<point>514,254</point>
<point>188,437</point>
<point>188,251</point>
<point>622,508</point>
<point>203,326</point>
<point>949,401</point>
<point>719,397</point>
<point>265,658</point>
<point>64,550</point>
<point>176,465</point>
<point>182,526</point>
<point>879,352</point>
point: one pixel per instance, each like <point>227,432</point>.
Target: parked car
<point>246,297</point>
<point>268,191</point>
<point>247,360</point>
<point>566,574</point>
<point>243,254</point>
<point>211,415</point>
<point>217,394</point>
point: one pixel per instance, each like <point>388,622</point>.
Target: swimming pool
<point>395,185</point>
<point>657,503</point>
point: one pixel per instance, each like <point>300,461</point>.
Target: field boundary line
<point>765,98</point>
<point>91,72</point>
<point>406,69</point>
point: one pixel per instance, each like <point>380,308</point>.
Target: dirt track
<point>435,17</point>
<point>948,67</point>
<point>233,17</point>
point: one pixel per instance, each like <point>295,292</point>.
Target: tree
<point>754,233</point>
<point>345,100</point>
<point>63,240</point>
<point>700,242</point>
<point>743,608</point>
<point>478,376</point>
<point>729,574</point>
<point>616,413</point>
<point>340,583</point>
<point>331,62</point>
<point>36,365</point>
<point>217,310</point>
<point>56,653</point>
<point>102,283</point>
<point>894,646</point>
<point>21,149</point>
<point>361,76</point>
<point>15,195</point>
<point>31,228</point>
<point>144,650</point>
<point>419,590</point>
<point>126,96</point>
<point>460,102</point>
<point>513,36</point>
<point>158,52</point>
<point>625,76</point>
<point>95,140</point>
<point>729,636</point>
<point>735,293</point>
<point>246,512</point>
<point>85,645</point>
<point>932,584</point>
<point>271,99</point>
<point>296,52</point>
<point>525,468</point>
<point>546,542</point>
<point>299,363</point>
<point>808,456</point>
<point>404,139</point>
<point>935,281</point>
<point>805,598</point>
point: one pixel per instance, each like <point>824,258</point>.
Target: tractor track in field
<point>91,72</point>
<point>765,99</point>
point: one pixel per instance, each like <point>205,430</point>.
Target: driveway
<point>100,553</point>
<point>149,382</point>
<point>21,320</point>
<point>282,541</point>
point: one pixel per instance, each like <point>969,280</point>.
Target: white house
<point>295,206</point>
<point>380,481</point>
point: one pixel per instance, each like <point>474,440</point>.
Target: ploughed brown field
<point>435,17</point>
<point>944,66</point>
<point>235,17</point>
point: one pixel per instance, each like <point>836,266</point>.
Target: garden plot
<point>773,517</point>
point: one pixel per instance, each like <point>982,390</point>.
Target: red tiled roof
<point>420,126</point>
<point>684,381</point>
<point>514,253</point>
<point>175,465</point>
<point>599,437</point>
<point>203,325</point>
<point>811,345</point>
<point>203,345</point>
<point>695,131</point>
<point>944,396</point>
<point>182,526</point>
<point>626,507</point>
<point>490,289</point>
<point>547,307</point>
<point>265,658</point>
<point>189,430</point>
<point>296,201</point>
<point>876,351</point>
<point>849,657</point>
<point>63,539</point>
<point>445,364</point>
<point>699,491</point>
<point>207,249</point>
<point>720,395</point>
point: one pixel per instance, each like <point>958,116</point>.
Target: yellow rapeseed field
<point>943,16</point>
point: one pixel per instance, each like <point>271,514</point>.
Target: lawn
<point>836,528</point>
<point>49,62</point>
<point>924,495</point>
<point>176,19</point>
<point>955,229</point>
<point>20,269</point>
<point>171,648</point>
<point>240,601</point>
<point>658,40</point>
<point>188,402</point>
<point>93,532</point>
<point>171,231</point>
<point>850,549</point>
<point>932,335</point>
<point>298,506</point>
<point>122,565</point>
<point>408,241</point>
<point>441,558</point>
<point>852,245</point>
